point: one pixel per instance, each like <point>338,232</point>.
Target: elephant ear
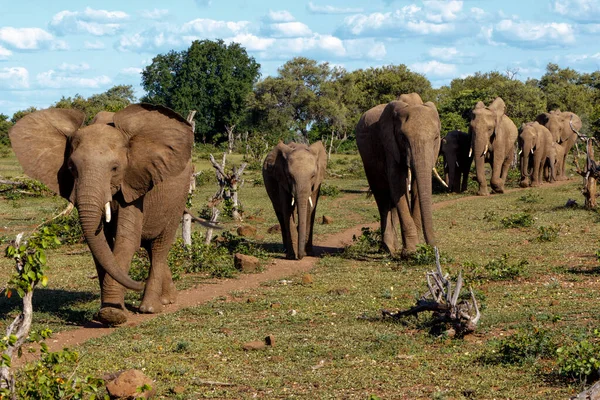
<point>160,146</point>
<point>498,107</point>
<point>393,114</point>
<point>411,98</point>
<point>275,161</point>
<point>319,152</point>
<point>41,142</point>
<point>104,118</point>
<point>479,105</point>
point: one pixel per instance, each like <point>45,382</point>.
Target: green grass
<point>335,344</point>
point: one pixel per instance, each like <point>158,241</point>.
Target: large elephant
<point>128,174</point>
<point>535,141</point>
<point>494,137</point>
<point>455,151</point>
<point>399,143</point>
<point>293,174</point>
<point>562,126</point>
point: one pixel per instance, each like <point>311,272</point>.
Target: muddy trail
<point>278,268</point>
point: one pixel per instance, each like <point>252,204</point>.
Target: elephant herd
<point>128,174</point>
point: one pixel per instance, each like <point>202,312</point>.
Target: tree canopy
<point>114,99</point>
<point>210,77</point>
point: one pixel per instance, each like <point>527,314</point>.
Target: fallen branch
<point>443,302</point>
<point>67,211</point>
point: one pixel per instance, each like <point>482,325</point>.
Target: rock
<point>246,231</point>
<point>307,279</point>
<point>256,345</point>
<point>245,263</point>
<point>179,389</point>
<point>255,218</point>
<point>339,291</point>
<point>274,229</point>
<point>270,340</point>
<point>126,385</point>
<point>327,220</point>
<point>275,305</point>
<point>226,331</point>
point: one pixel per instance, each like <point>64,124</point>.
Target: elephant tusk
<point>458,166</point>
<point>470,152</point>
<point>439,177</point>
<point>107,212</point>
<point>293,201</point>
<point>531,151</point>
<point>310,201</point>
<point>520,151</point>
<point>409,179</point>
<point>485,150</point>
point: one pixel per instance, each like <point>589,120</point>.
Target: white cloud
<point>89,21</point>
<point>131,71</point>
<point>97,45</point>
<point>213,28</point>
<point>584,11</point>
<point>26,38</point>
<point>450,54</point>
<point>531,34</point>
<point>314,9</point>
<point>4,53</point>
<point>478,13</point>
<point>252,42</point>
<point>434,68</point>
<point>52,79</point>
<point>14,78</point>
<point>439,11</point>
<point>287,29</point>
<point>74,68</point>
<point>280,16</point>
<point>408,21</point>
<point>155,14</point>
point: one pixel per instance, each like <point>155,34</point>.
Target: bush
<point>519,220</point>
<point>548,233</point>
<point>329,190</point>
<point>530,198</point>
<point>205,176</point>
<point>425,255</point>
<point>497,269</point>
<point>369,242</point>
<point>527,345</point>
<point>580,359</point>
<point>26,187</point>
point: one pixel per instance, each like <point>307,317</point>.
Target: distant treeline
<point>312,100</point>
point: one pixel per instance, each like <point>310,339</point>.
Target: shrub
<point>26,187</point>
<point>522,220</point>
<point>530,198</point>
<point>548,233</point>
<point>425,255</point>
<point>580,359</point>
<point>329,190</point>
<point>526,345</point>
<point>369,242</point>
<point>205,176</point>
<point>497,269</point>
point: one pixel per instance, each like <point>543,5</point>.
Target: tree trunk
<point>186,222</point>
<point>230,137</point>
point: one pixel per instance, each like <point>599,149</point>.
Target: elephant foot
<point>111,316</point>
<point>151,305</point>
<point>483,193</point>
<point>169,294</point>
<point>524,184</point>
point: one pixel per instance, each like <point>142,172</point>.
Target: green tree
<point>21,113</point>
<point>210,77</point>
<point>5,125</point>
<point>114,99</point>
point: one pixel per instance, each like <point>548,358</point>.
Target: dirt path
<point>202,293</point>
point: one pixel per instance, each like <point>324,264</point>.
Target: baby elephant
<point>293,174</point>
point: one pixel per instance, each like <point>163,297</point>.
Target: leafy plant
<point>25,187</point>
<point>369,242</point>
<point>525,345</point>
<point>490,215</point>
<point>497,269</point>
<point>425,255</point>
<point>548,233</point>
<point>530,198</point>
<point>518,220</point>
<point>580,359</point>
<point>329,190</point>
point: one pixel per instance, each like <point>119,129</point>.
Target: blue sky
<point>50,49</point>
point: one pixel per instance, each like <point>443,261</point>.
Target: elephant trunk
<point>304,207</point>
<point>526,172</point>
<point>91,213</point>
<point>424,166</point>
<point>480,148</point>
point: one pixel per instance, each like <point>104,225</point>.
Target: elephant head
<point>529,138</point>
<point>485,121</point>
<point>298,171</point>
<point>118,158</point>
<point>561,124</point>
<point>455,150</point>
<point>410,130</point>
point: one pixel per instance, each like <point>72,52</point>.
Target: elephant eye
<point>115,168</point>
<point>71,167</point>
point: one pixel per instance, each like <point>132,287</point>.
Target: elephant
<point>494,138</point>
<point>554,162</point>
<point>293,174</point>
<point>535,141</point>
<point>128,173</point>
<point>457,161</point>
<point>399,143</point>
<point>562,125</point>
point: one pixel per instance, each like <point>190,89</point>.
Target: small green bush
<point>548,233</point>
<point>329,190</point>
<point>519,220</point>
<point>530,198</point>
<point>425,255</point>
<point>497,269</point>
<point>526,345</point>
<point>580,359</point>
<point>368,243</point>
<point>490,216</point>
<point>26,187</point>
<point>204,177</point>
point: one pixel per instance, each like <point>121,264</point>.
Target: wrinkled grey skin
<point>553,162</point>
<point>457,163</point>
<point>494,137</point>
<point>559,124</point>
<point>138,161</point>
<point>535,142</point>
<point>293,174</point>
<point>392,139</point>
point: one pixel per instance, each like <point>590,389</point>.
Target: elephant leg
<point>311,224</point>
<point>410,234</point>
<point>160,289</point>
<point>291,229</point>
<point>386,217</point>
<point>499,171</point>
<point>465,179</point>
<point>415,206</point>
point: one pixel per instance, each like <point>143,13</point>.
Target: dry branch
<point>442,300</point>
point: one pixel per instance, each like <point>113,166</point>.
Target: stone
<point>307,279</point>
<point>126,385</point>
<point>255,345</point>
<point>275,305</point>
<point>246,231</point>
<point>326,220</point>
<point>255,218</point>
<point>245,263</point>
<point>270,340</point>
<point>274,229</point>
<point>226,331</point>
<point>179,389</point>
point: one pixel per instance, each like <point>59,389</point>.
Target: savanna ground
<point>330,338</point>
